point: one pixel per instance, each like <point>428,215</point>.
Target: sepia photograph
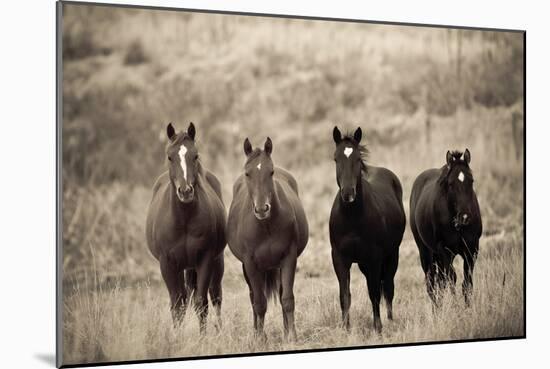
<point>235,184</point>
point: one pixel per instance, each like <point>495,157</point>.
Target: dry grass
<point>292,80</point>
<point>133,323</point>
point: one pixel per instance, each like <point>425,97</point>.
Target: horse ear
<point>449,158</point>
<point>170,131</point>
<point>358,134</point>
<point>467,156</point>
<point>247,147</point>
<point>336,135</point>
<point>268,146</point>
<point>191,131</point>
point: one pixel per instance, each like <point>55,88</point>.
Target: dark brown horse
<point>366,226</point>
<point>445,222</point>
<point>267,231</point>
<point>186,228</point>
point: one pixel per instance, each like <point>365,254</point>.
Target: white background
<point>27,182</point>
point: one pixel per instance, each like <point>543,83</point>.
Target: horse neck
<point>276,200</point>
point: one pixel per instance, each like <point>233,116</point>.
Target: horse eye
<point>272,172</point>
<point>169,159</point>
<point>196,157</point>
<point>246,174</point>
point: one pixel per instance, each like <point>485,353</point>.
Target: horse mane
<point>180,137</point>
<point>457,155</point>
<point>363,151</point>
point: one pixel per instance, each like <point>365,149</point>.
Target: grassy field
<point>416,92</point>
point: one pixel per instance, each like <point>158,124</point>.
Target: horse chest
<point>269,253</point>
<point>351,237</point>
<point>186,241</point>
<point>457,242</point>
<point>269,245</point>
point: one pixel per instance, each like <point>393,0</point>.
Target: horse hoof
<point>378,327</point>
<point>290,337</point>
<point>260,337</point>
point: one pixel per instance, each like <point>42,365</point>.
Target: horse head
<point>183,161</point>
<point>349,162</point>
<point>259,170</point>
<point>457,183</point>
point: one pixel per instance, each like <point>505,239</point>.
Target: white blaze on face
<point>461,177</point>
<point>183,164</point>
<point>348,151</point>
<point>259,166</point>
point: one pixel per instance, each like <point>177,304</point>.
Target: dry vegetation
<point>127,73</point>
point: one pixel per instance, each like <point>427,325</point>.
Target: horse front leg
<point>341,268</point>
<point>470,257</point>
<point>447,275</point>
<point>256,278</point>
<point>171,275</point>
<point>288,271</point>
<point>251,295</point>
<point>373,273</point>
<point>204,276</point>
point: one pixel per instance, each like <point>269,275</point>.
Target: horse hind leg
<point>190,281</point>
<point>287,274</point>
<point>215,290</point>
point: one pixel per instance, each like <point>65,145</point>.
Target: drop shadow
<point>46,358</point>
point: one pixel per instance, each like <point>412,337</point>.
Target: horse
<point>366,226</point>
<point>267,231</point>
<point>185,229</point>
<point>446,221</point>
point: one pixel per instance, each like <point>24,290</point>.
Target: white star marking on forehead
<point>461,177</point>
<point>259,166</point>
<point>183,164</point>
<point>348,151</point>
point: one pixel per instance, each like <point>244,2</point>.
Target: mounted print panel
<point>235,184</point>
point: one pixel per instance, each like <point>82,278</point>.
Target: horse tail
<point>191,280</point>
<point>272,283</point>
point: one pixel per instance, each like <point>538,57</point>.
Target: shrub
<point>136,54</point>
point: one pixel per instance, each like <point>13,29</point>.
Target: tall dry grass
<point>129,72</point>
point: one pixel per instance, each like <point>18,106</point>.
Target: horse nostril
<point>262,209</point>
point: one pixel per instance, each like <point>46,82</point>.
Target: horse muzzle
<point>186,194</point>
<point>348,194</point>
<point>461,220</point>
<point>262,212</point>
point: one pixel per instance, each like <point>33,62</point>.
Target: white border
<point>27,239</point>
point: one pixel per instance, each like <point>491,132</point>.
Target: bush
<point>79,33</point>
<point>136,54</point>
